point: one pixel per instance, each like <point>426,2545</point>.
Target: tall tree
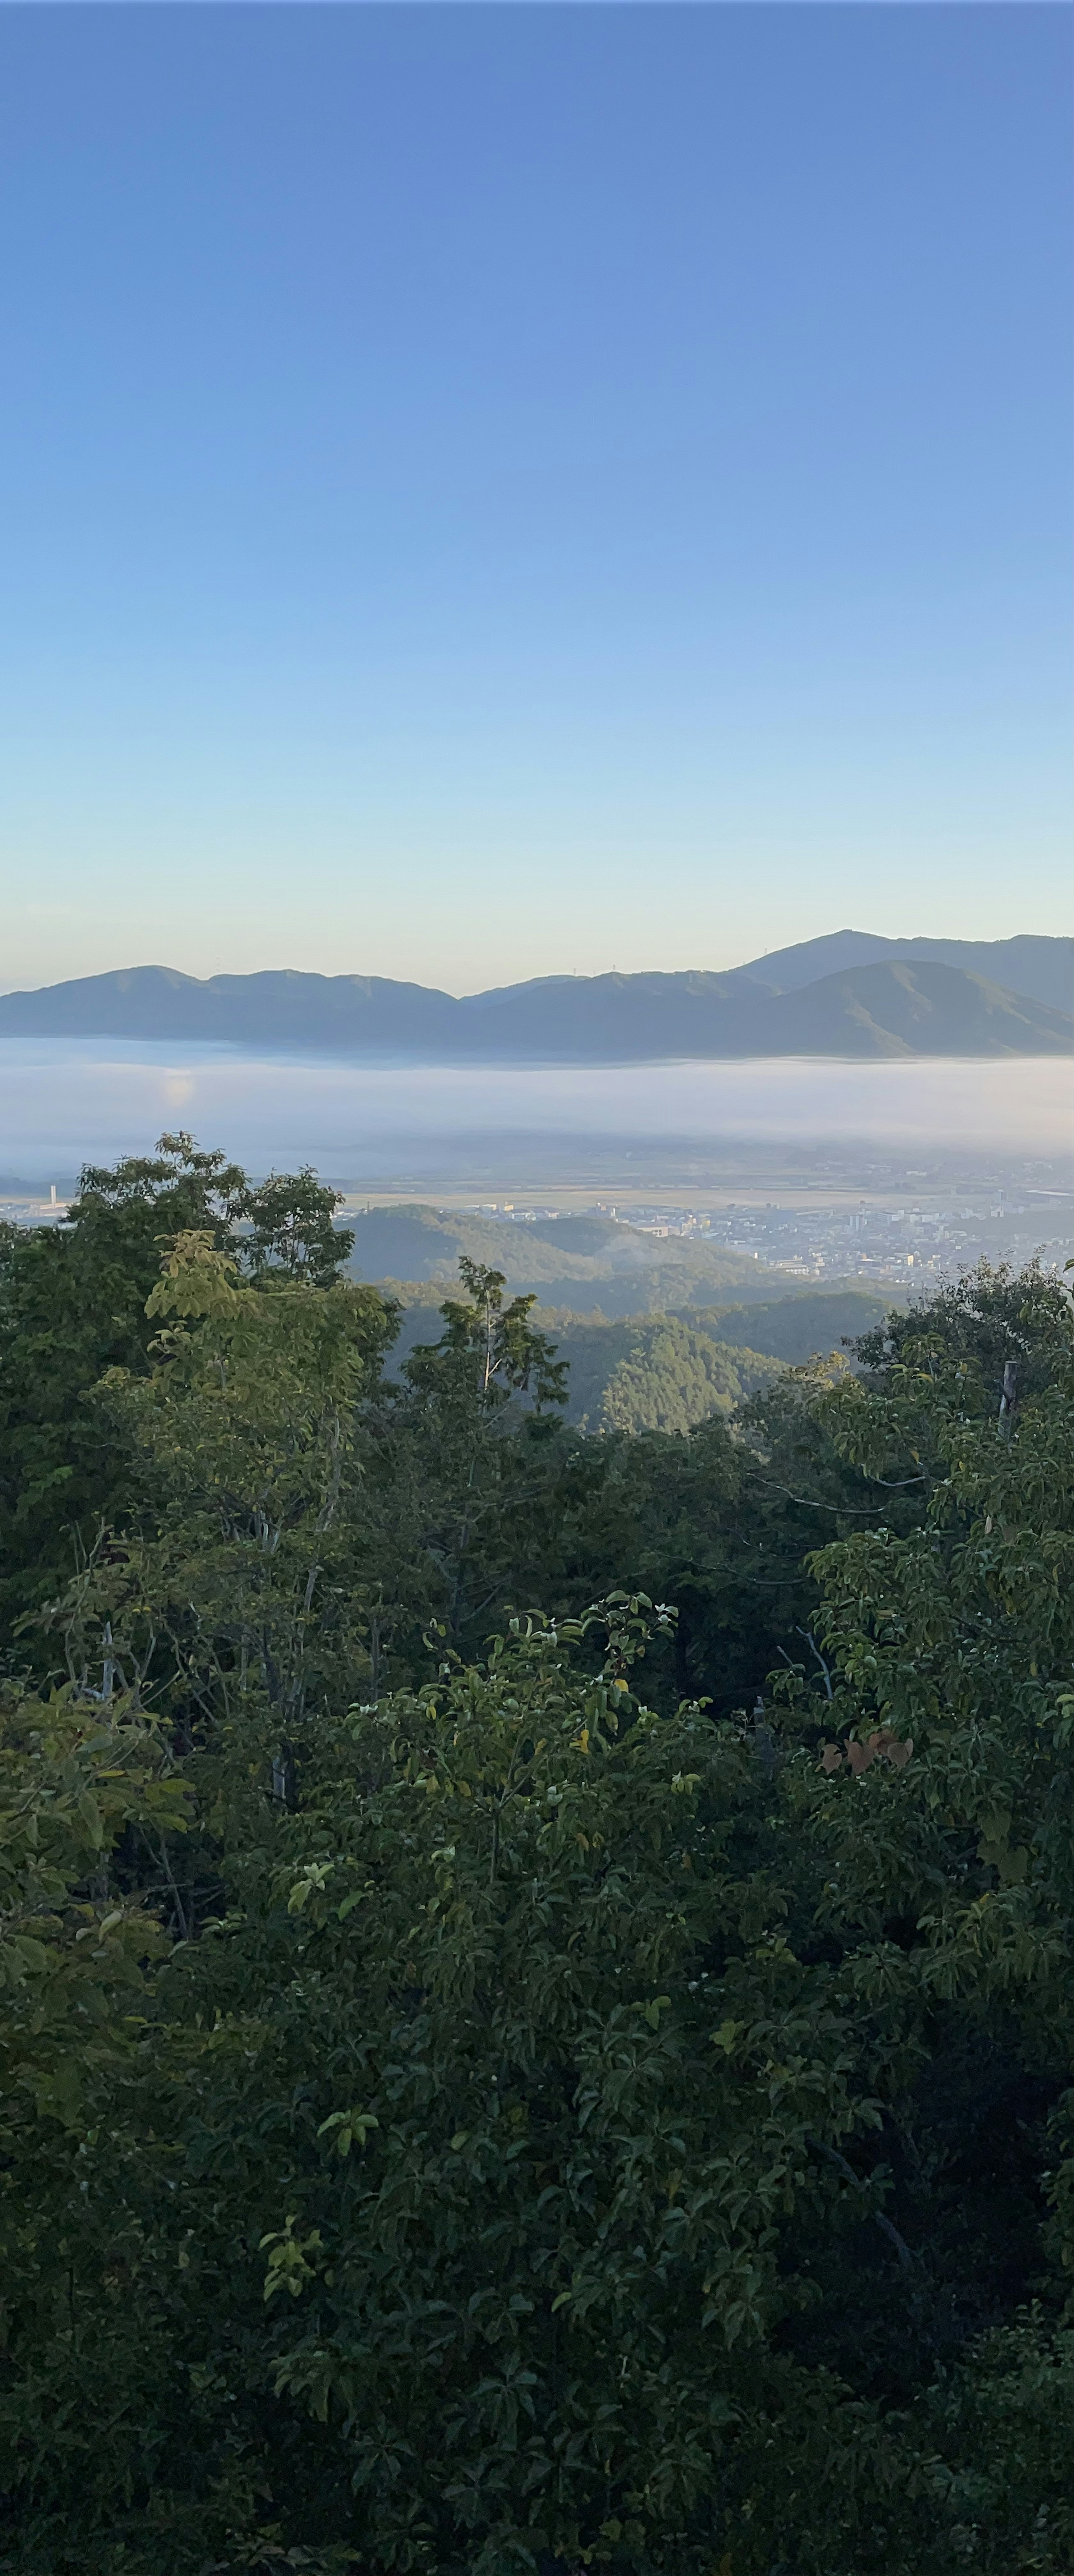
<point>73,1304</point>
<point>292,1229</point>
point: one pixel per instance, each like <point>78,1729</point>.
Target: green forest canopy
<point>538,2003</point>
<point>660,1368</point>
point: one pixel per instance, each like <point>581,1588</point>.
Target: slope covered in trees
<point>585,1259</point>
<point>655,1373</point>
<point>608,1269</point>
<point>537,2017</point>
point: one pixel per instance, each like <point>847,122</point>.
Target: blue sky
<point>496,490</point>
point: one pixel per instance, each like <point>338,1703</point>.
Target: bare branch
<point>811,1641</point>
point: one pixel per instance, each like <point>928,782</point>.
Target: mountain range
<point>847,994</point>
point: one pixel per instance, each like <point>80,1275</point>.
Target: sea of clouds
<point>63,1102</point>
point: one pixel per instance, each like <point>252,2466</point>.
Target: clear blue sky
<point>490,490</point>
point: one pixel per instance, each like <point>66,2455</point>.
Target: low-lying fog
<point>65,1102</point>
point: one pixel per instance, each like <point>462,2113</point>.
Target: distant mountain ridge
<point>847,994</point>
<point>1038,968</point>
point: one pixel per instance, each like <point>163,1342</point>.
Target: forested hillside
<point>654,1374</point>
<point>794,1328</point>
<point>581,1260</point>
<point>670,1369</point>
<point>604,1267</point>
<point>537,2016</point>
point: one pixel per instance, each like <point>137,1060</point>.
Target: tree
<point>83,1780</point>
<point>487,1351</point>
<point>236,1551</point>
<point>519,2117</point>
<point>180,1182</point>
<point>463,1469</point>
<point>72,1304</point>
<point>498,2086</point>
<point>989,1319</point>
<point>292,1230</point>
<point>948,1656</point>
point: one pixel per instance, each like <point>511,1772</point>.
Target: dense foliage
<point>537,1968</point>
<point>655,1373</point>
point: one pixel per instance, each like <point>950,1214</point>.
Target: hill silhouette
<point>891,1004</point>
